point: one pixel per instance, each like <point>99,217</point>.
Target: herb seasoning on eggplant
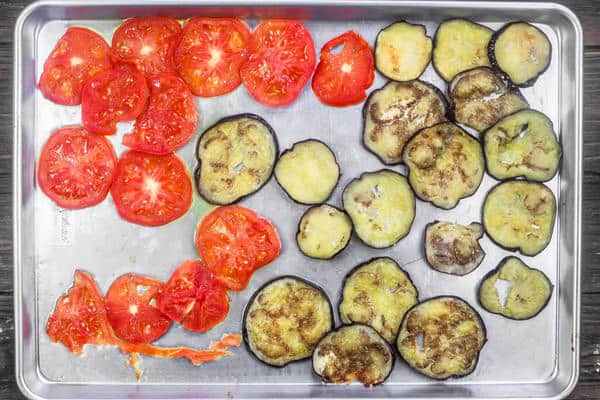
<point>323,232</point>
<point>453,248</point>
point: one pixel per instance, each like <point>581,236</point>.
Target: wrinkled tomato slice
<point>233,242</point>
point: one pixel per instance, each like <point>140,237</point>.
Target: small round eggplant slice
<point>353,353</point>
<point>308,172</point>
<point>522,144</point>
<point>453,248</point>
<point>445,164</point>
<point>323,232</point>
<point>285,319</point>
<point>480,97</point>
<point>526,290</point>
<point>382,207</point>
<point>397,111</point>
<point>377,293</point>
<point>236,157</point>
<point>442,337</point>
<point>519,215</point>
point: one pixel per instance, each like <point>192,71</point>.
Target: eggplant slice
<point>522,144</point>
<point>402,51</point>
<point>445,164</point>
<point>378,293</point>
<point>520,215</point>
<point>529,292</point>
<point>453,248</point>
<point>285,319</point>
<point>236,158</point>
<point>480,97</point>
<point>323,232</point>
<point>442,337</point>
<point>382,207</point>
<point>397,111</point>
<point>353,353</point>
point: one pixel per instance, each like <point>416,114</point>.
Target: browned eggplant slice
<point>323,232</point>
<point>453,248</point>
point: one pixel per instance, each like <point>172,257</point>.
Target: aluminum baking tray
<point>534,359</point>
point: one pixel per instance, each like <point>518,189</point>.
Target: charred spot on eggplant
<point>236,158</point>
<point>453,248</point>
<point>397,111</point>
<point>285,319</point>
<point>442,337</point>
<point>323,232</point>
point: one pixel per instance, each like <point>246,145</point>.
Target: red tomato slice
<point>170,119</point>
<point>341,79</point>
<point>76,168</point>
<point>280,62</point>
<point>130,311</point>
<point>234,241</point>
<point>151,190</point>
<point>148,43</point>
<point>193,297</point>
<point>210,53</point>
<point>78,55</point>
<point>114,95</point>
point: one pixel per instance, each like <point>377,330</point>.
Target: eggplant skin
<point>323,232</point>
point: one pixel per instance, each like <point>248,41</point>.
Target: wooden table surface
<point>588,387</point>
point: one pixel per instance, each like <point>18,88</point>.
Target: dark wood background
<point>588,387</point>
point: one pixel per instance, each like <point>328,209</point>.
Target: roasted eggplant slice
<point>402,51</point>
<point>442,337</point>
<point>522,144</point>
<point>528,290</point>
<point>236,158</point>
<point>308,172</point>
<point>453,248</point>
<point>445,164</point>
<point>397,111</point>
<point>285,319</point>
<point>353,353</point>
<point>382,207</point>
<point>323,232</point>
<point>480,97</point>
<point>519,215</point>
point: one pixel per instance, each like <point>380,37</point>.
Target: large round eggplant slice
<point>377,293</point>
<point>460,45</point>
<point>522,144</point>
<point>285,319</point>
<point>519,215</point>
<point>453,248</point>
<point>527,290</point>
<point>480,97</point>
<point>402,51</point>
<point>445,164</point>
<point>442,337</point>
<point>521,51</point>
<point>323,232</point>
<point>353,353</point>
<point>308,172</point>
<point>382,207</point>
<point>236,158</point>
<point>397,111</point>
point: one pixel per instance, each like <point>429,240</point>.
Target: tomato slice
<point>151,190</point>
<point>346,70</point>
<point>114,95</point>
<point>234,241</point>
<point>148,43</point>
<point>78,55</point>
<point>76,168</point>
<point>210,53</point>
<point>194,297</point>
<point>170,119</point>
<point>280,61</point>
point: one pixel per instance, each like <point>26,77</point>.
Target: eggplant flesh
<point>453,248</point>
<point>323,232</point>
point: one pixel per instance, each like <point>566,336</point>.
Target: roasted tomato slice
<point>78,55</point>
<point>280,61</point>
<point>76,168</point>
<point>210,53</point>
<point>130,310</point>
<point>114,95</point>
<point>346,69</point>
<point>194,297</point>
<point>234,241</point>
<point>151,190</point>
